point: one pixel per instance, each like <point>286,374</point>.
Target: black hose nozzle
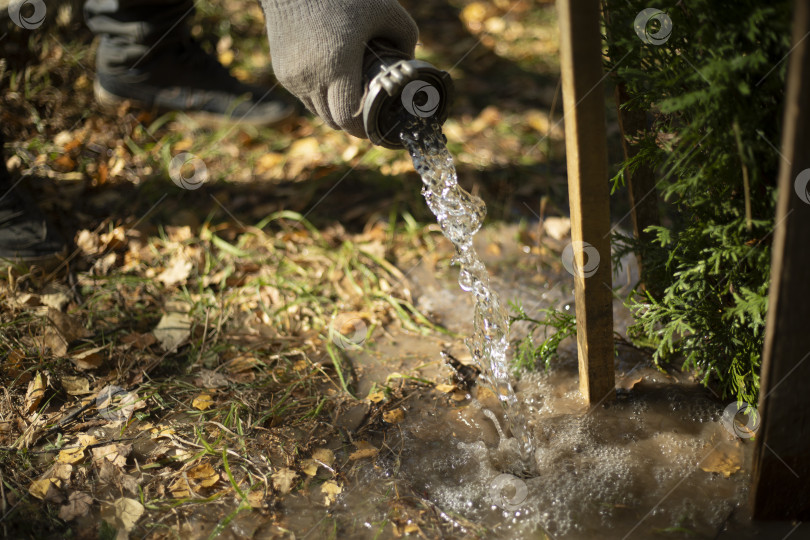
<point>397,85</point>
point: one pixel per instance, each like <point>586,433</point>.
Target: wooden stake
<point>586,154</point>
<point>781,473</point>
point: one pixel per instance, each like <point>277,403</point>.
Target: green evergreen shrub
<point>713,93</point>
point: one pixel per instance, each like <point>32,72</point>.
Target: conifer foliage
<point>712,92</point>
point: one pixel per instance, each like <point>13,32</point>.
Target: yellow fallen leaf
<point>447,388</point>
<point>35,393</point>
<point>45,489</point>
<point>725,461</point>
<point>394,416</point>
<point>202,402</point>
<point>180,488</point>
<point>376,397</point>
<point>71,455</point>
<point>204,473</point>
<point>364,450</point>
<point>283,480</point>
<point>76,386</point>
<point>126,512</point>
<point>331,490</point>
<point>86,440</point>
<point>310,467</point>
<point>256,499</point>
<point>324,455</point>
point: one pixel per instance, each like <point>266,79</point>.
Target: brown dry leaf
<point>725,461</point>
<point>324,455</point>
<point>71,455</point>
<point>256,499</point>
<point>180,488</point>
<point>376,397</point>
<point>35,393</point>
<point>204,473</point>
<point>88,359</point>
<point>628,382</point>
<point>123,514</point>
<point>177,271</point>
<point>394,416</point>
<point>202,402</point>
<point>46,489</point>
<point>172,330</point>
<point>364,450</point>
<point>310,467</point>
<point>77,506</point>
<point>62,471</point>
<point>269,161</point>
<point>55,296</point>
<point>241,363</point>
<point>139,341</point>
<point>114,240</point>
<point>76,386</point>
<point>331,490</point>
<point>114,453</point>
<point>283,480</point>
<point>68,326</point>
<point>85,440</point>
<point>447,388</point>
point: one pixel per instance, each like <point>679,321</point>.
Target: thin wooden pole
<point>781,472</point>
<point>586,155</point>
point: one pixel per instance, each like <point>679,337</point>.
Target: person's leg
<point>146,55</point>
<point>26,236</point>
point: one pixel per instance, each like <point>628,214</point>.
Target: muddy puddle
<point>658,462</point>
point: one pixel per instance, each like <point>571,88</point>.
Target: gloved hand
<point>318,48</point>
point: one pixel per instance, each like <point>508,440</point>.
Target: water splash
<point>460,216</point>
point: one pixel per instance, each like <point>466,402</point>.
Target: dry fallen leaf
<point>35,393</point>
<point>177,271</point>
<point>62,471</point>
<point>71,455</point>
<point>202,402</point>
<point>376,397</point>
<point>283,480</point>
<point>172,330</point>
<point>76,386</point>
<point>331,490</point>
<point>123,514</point>
<point>88,359</point>
<point>725,461</point>
<point>139,341</point>
<point>310,467</point>
<point>77,506</point>
<point>394,416</point>
<point>46,489</point>
<point>324,455</point>
<point>114,453</point>
<point>364,450</point>
<point>447,388</point>
<point>204,473</point>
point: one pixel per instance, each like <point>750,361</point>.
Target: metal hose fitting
<point>397,85</point>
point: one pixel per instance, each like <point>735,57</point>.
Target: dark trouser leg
<point>134,31</point>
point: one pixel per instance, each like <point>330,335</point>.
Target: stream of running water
<point>460,216</point>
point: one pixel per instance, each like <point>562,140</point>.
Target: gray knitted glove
<point>318,48</point>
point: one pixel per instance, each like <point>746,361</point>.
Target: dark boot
<point>26,236</point>
<point>147,56</point>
